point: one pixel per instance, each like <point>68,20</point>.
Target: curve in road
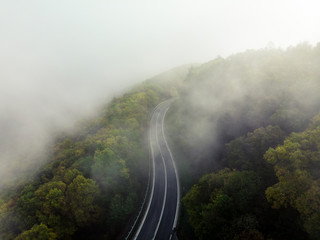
<point>161,216</point>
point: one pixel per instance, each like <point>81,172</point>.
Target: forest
<point>93,182</point>
<point>245,133</point>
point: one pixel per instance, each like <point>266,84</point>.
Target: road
<point>162,212</point>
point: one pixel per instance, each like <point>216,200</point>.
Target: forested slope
<point>247,144</point>
<point>95,180</point>
<point>244,131</point>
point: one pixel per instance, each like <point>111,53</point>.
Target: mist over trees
<point>244,131</point>
<point>95,178</point>
<point>247,123</point>
<point>89,183</point>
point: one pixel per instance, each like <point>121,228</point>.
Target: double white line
<point>165,171</point>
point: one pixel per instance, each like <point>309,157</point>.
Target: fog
<point>60,60</point>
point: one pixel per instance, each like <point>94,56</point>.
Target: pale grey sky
<point>59,59</point>
<point>125,40</point>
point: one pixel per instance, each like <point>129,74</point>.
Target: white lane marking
<point>148,185</point>
<point>153,177</point>
<point>165,181</point>
<point>177,175</point>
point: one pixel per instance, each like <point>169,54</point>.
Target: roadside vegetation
<point>245,134</point>
<point>94,180</point>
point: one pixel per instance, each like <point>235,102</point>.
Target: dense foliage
<point>221,205</point>
<point>95,179</point>
<point>297,166</point>
<point>245,132</point>
<point>247,147</point>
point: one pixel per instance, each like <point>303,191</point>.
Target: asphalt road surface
<point>161,216</point>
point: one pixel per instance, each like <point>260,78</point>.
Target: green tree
<point>218,200</point>
<point>81,194</point>
<point>297,165</point>
<point>37,232</point>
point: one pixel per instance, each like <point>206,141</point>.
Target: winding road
<point>161,216</point>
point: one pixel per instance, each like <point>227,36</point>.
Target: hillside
<point>245,134</point>
<point>246,138</point>
<point>94,181</point>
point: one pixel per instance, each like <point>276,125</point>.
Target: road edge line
<point>177,176</point>
<point>153,178</point>
<point>166,182</point>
